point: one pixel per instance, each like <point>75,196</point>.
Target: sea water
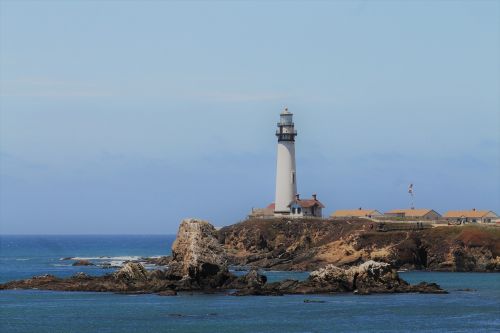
<point>473,304</point>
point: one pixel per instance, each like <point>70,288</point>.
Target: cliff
<point>308,244</point>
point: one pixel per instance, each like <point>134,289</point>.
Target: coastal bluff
<point>311,243</point>
<point>199,263</point>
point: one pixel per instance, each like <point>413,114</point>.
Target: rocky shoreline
<point>199,262</point>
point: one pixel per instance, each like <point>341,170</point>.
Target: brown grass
<point>477,236</point>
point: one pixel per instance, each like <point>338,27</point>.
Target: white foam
<point>116,263</point>
<point>120,258</point>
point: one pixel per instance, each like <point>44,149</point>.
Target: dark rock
<point>161,261</point>
<point>426,288</point>
<point>254,279</point>
<point>83,263</point>
<point>158,274</point>
<point>131,271</point>
<point>168,292</point>
<point>369,277</point>
<point>250,283</point>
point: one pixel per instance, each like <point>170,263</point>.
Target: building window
<point>293,177</point>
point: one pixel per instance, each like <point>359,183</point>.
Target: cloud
<point>48,87</point>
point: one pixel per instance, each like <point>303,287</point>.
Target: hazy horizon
<point>127,117</point>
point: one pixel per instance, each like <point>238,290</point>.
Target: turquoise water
<point>46,311</point>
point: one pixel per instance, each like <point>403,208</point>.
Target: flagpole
<point>410,191</point>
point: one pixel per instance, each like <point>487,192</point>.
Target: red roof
<point>306,203</point>
<point>271,206</point>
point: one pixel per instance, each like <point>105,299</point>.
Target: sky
<point>124,117</point>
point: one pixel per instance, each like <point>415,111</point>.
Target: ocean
<point>473,304</point>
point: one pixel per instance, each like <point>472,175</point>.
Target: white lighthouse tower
<point>286,179</point>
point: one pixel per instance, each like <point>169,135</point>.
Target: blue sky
<point>125,117</point>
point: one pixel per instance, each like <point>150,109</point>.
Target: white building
<point>414,214</point>
<point>287,201</point>
<point>471,216</point>
<point>286,178</point>
<point>306,207</point>
<point>360,212</point>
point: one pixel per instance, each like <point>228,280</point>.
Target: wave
<point>116,263</point>
<point>118,258</point>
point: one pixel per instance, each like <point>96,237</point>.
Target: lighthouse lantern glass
<point>286,119</point>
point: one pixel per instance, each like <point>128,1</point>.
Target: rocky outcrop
<point>167,293</point>
<point>369,277</point>
<point>250,282</point>
<point>131,271</point>
<point>198,259</point>
<point>253,279</point>
<point>131,278</point>
<point>309,244</point>
<point>196,250</point>
<point>157,261</point>
<point>82,263</point>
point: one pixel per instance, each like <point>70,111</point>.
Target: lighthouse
<point>287,201</point>
<point>286,178</point>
